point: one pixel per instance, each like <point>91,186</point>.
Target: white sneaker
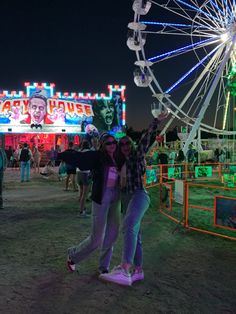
<point>137,275</point>
<point>118,275</point>
<point>82,214</point>
<point>70,265</point>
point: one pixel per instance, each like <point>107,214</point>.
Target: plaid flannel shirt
<point>135,163</point>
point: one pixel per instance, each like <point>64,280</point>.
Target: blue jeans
<point>135,205</point>
<point>25,170</point>
<point>104,232</point>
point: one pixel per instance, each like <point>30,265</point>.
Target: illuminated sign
<point>203,171</point>
<point>225,212</point>
<point>151,175</point>
<point>174,172</point>
<point>40,109</point>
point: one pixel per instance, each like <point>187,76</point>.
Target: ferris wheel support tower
<point>206,103</point>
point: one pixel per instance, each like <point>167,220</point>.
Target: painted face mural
<point>37,110</point>
<point>104,114</point>
<point>107,112</point>
<point>41,108</point>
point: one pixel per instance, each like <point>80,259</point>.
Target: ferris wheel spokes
<point>208,98</point>
<point>185,49</point>
<point>187,96</point>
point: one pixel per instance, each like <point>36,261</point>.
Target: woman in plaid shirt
<point>135,202</point>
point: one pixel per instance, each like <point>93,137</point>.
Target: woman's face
<point>125,146</point>
<point>107,112</point>
<point>110,145</point>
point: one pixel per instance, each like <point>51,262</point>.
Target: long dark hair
<point>106,157</point>
<point>85,145</point>
<point>181,156</point>
<point>121,158</point>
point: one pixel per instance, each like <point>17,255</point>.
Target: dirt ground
<point>185,271</point>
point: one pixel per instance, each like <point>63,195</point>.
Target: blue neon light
<point>191,70</point>
<point>180,49</point>
<point>166,24</point>
<point>172,24</point>
<point>199,10</point>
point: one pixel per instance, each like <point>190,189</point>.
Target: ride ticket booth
<point>46,118</point>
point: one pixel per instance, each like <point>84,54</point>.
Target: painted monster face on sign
<point>37,110</point>
<point>107,112</point>
<point>40,108</point>
<point>104,114</point>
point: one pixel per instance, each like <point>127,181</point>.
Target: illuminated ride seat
<point>142,78</point>
<point>133,41</point>
<point>158,108</point>
<point>141,6</point>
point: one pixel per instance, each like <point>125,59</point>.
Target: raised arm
<point>83,160</point>
<point>145,141</point>
<point>88,160</point>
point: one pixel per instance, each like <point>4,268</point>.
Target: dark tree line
<point>171,135</point>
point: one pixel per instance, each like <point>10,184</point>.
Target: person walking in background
<point>3,166</point>
<point>36,159</point>
<point>227,156</point>
<point>135,201</point>
<point>69,156</point>
<point>62,171</point>
<point>15,162</point>
<point>105,204</point>
<point>9,153</point>
<point>25,156</point>
<point>172,156</point>
<point>84,182</point>
<point>154,157</point>
<point>190,159</point>
<point>163,160</point>
<point>180,156</point>
<point>53,155</point>
<point>216,154</point>
<point>180,161</point>
<point>95,143</point>
<point>222,156</point>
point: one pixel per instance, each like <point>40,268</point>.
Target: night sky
<point>78,45</point>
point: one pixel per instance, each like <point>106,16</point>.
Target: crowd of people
<point>169,155</point>
<point>185,164</point>
<point>27,158</point>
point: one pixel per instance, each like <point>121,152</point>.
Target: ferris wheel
<point>186,55</point>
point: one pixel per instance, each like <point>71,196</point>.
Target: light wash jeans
<point>25,170</point>
<point>135,205</point>
<point>104,232</point>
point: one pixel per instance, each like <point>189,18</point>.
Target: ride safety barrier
<point>200,197</point>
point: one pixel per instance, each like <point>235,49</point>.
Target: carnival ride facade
<point>64,115</point>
